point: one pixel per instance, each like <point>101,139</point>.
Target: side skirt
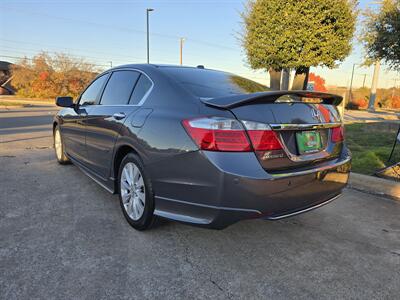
<point>108,185</point>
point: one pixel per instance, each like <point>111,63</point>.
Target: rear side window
<point>90,95</point>
<point>142,87</point>
<point>211,84</point>
<point>119,88</point>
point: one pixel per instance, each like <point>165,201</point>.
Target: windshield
<point>212,84</point>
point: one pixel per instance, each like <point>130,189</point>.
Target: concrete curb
<point>375,185</point>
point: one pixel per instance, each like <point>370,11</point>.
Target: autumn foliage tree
<point>47,76</point>
<point>319,82</point>
<point>293,34</point>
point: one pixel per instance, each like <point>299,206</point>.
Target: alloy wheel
<point>58,144</point>
<point>133,192</point>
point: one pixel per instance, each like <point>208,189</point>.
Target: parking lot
<point>63,236</point>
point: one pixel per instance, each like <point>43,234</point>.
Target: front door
<point>74,121</point>
<point>73,132</point>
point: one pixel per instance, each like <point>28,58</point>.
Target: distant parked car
<point>202,146</point>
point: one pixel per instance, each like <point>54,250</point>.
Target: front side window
<point>90,95</point>
<point>142,87</point>
<point>119,88</point>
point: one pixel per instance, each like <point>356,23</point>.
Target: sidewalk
<point>363,116</point>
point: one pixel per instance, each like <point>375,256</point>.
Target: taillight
<point>218,134</point>
<point>224,134</point>
<point>262,137</point>
<point>337,134</point>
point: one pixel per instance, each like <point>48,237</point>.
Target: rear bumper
<point>230,187</point>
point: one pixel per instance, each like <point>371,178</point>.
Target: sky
<point>106,32</point>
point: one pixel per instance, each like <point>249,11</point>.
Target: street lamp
<point>181,50</point>
<point>148,39</point>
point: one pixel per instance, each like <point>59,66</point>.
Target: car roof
<point>154,66</point>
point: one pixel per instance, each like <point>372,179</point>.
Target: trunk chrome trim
<point>321,154</point>
<point>279,127</point>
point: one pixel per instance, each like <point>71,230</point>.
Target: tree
<point>319,82</point>
<point>381,34</point>
<point>46,76</point>
<point>294,34</point>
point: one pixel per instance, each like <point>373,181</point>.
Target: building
<point>5,78</point>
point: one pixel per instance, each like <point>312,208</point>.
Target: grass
<point>10,103</point>
<point>371,145</point>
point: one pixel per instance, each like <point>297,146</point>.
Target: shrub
<point>395,102</point>
<point>361,103</point>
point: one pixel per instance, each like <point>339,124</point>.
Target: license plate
<point>308,141</point>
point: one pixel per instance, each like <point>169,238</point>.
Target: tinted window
<point>119,87</point>
<point>212,84</point>
<point>89,96</point>
<point>141,88</point>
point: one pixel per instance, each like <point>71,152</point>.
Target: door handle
<point>119,116</point>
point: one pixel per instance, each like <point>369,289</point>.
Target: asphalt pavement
<point>63,237</point>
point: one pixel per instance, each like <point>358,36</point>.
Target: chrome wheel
<point>58,144</point>
<point>133,192</point>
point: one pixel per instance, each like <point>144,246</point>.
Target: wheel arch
<point>55,124</point>
<point>119,155</point>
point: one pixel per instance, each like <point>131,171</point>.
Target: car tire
<point>135,193</point>
<point>59,147</point>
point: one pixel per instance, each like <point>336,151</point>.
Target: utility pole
<point>365,77</point>
<point>394,87</point>
<point>351,84</point>
<point>372,97</point>
<point>148,10</point>
<point>110,63</point>
<point>181,50</point>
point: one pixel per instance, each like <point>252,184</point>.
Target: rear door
<point>119,99</point>
<point>74,123</point>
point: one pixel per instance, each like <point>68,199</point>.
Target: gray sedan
<point>202,146</point>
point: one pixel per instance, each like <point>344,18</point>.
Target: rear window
<point>212,84</point>
<point>142,87</point>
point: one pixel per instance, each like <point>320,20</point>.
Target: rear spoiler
<point>269,97</point>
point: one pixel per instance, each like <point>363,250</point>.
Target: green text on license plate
<point>308,141</point>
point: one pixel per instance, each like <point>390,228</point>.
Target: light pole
<point>148,10</point>
<point>181,50</point>
<point>372,97</point>
<point>351,83</point>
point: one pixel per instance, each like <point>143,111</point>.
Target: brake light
<point>218,134</point>
<point>262,137</point>
<point>337,134</point>
<point>264,140</point>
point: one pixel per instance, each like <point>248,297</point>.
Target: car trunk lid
<point>302,121</point>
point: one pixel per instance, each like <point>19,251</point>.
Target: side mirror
<point>65,101</point>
